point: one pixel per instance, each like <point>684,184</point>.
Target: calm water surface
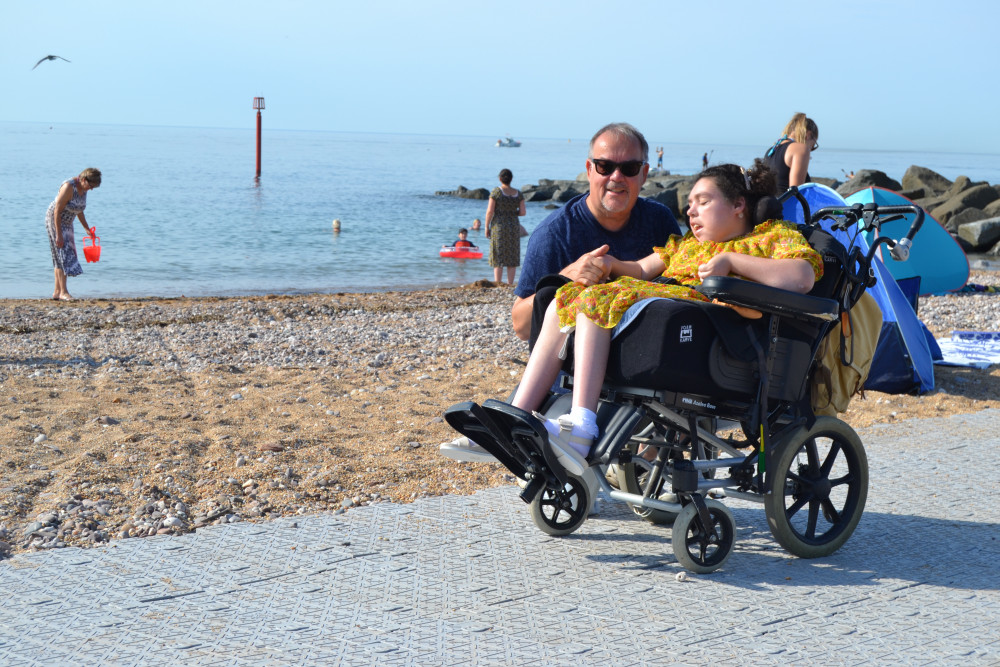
<point>180,212</point>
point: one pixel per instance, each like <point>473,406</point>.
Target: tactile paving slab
<point>470,580</point>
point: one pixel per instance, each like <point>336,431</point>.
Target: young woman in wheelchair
<point>725,238</point>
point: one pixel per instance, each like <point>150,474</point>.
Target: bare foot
<point>66,297</point>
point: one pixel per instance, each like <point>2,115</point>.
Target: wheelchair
<point>700,404</point>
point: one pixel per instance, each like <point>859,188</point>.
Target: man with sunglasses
<point>609,219</point>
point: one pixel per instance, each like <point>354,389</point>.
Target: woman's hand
<point>59,240</point>
<point>720,265</point>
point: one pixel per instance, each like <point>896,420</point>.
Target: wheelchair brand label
<point>695,402</point>
<point>687,333</point>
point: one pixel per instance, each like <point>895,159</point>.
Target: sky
<point>873,74</point>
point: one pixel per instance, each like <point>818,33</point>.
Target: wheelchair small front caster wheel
<point>702,549</point>
<point>559,512</point>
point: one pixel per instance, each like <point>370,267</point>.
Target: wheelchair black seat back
<point>677,371</point>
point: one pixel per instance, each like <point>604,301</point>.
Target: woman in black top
<point>788,158</point>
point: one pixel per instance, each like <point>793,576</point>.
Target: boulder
<point>982,234</point>
<point>914,195</point>
<point>666,197</point>
<point>683,190</point>
<point>994,251</point>
<point>865,178</point>
<point>828,182</point>
<point>549,189</point>
<point>931,182</point>
<point>465,193</point>
<point>930,203</point>
<point>672,192</point>
<point>966,216</point>
<point>978,196</point>
<point>992,209</point>
<point>539,192</point>
<point>564,194</point>
<point>961,184</point>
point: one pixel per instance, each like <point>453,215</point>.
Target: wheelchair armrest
<point>767,299</point>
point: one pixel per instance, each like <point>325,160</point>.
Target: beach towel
<point>978,349</point>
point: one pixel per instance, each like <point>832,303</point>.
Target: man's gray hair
<point>624,130</point>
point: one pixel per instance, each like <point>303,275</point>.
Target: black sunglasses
<point>607,167</point>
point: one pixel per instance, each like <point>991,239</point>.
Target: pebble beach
<point>126,418</point>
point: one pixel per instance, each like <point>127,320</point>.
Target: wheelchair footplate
<point>472,421</point>
<point>527,442</point>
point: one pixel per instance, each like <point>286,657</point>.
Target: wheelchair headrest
<point>768,208</point>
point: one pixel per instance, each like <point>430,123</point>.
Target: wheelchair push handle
<point>900,250</point>
<point>793,192</point>
<point>873,216</point>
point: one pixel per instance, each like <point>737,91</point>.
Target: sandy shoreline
<point>132,417</point>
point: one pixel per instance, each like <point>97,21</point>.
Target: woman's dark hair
<point>754,185</point>
<point>506,177</point>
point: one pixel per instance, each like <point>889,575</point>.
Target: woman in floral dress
<point>67,207</point>
<point>503,228</point>
<point>723,240</point>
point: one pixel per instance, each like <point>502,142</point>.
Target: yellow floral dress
<point>607,302</point>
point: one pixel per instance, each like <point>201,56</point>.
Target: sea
<point>182,213</point>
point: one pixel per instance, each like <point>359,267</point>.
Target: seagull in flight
<point>48,58</point>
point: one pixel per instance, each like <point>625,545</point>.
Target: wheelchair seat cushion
<point>706,349</point>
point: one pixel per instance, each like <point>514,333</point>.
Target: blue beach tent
<point>903,361</point>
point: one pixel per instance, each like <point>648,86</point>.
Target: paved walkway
<point>470,580</point>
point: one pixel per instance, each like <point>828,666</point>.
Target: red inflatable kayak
<point>471,252</point>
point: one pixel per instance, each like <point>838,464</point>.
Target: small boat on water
<point>462,252</point>
<point>507,142</point>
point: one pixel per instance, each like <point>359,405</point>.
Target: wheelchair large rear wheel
<point>699,548</point>
<point>817,491</point>
<point>561,511</point>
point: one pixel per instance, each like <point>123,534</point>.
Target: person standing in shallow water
<point>68,206</point>
<point>503,228</point>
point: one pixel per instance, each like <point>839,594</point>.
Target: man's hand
<point>591,268</point>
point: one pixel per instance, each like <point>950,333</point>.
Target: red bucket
<point>92,252</point>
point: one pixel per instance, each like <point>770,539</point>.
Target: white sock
<point>585,420</point>
<point>552,426</point>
